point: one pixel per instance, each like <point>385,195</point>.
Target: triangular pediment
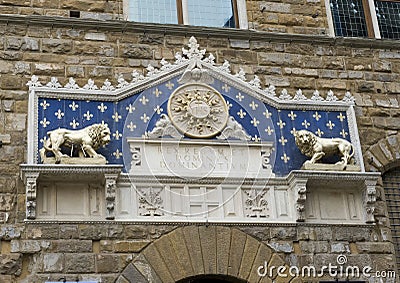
<point>132,108</point>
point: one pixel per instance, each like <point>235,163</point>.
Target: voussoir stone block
<point>223,235</point>
<point>154,258</point>
<point>208,243</point>
<point>249,254</point>
<point>164,246</point>
<point>238,241</point>
<point>133,275</point>
<point>192,239</point>
<point>179,246</point>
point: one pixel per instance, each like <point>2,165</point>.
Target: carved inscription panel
<point>200,159</point>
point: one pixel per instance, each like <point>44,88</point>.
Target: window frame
<point>239,10</point>
<point>371,19</point>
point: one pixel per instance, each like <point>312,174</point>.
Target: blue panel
<point>137,114</point>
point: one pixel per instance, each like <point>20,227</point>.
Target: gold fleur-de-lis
<point>117,135</point>
<point>330,125</point>
<point>102,107</point>
<point>319,132</point>
<point>256,138</point>
<point>292,115</point>
<point>131,126</point>
<point>305,124</point>
<point>157,92</point>
<point>116,117</point>
<point>145,118</point>
<point>341,117</point>
<point>285,158</point>
<point>74,124</point>
<point>226,88</point>
<point>144,100</point>
<point>117,154</point>
<point>316,116</point>
<point>281,124</point>
<point>74,106</point>
<point>269,130</point>
<point>45,122</point>
<point>169,85</point>
<point>44,104</point>
<point>88,115</point>
<point>267,114</point>
<point>343,133</point>
<point>241,113</point>
<point>158,109</point>
<point>255,122</point>
<point>239,97</point>
<point>282,140</point>
<point>253,105</point>
<point>130,108</point>
<point>59,114</point>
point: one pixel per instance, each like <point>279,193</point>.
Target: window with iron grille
<point>211,13</point>
<point>391,184</point>
<point>365,18</point>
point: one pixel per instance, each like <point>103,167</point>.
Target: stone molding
<point>208,32</point>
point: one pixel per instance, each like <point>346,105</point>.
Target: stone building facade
<point>287,44</point>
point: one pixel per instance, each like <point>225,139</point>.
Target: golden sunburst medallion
<point>198,110</point>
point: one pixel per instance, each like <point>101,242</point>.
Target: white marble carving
<point>150,202</point>
<point>234,130</point>
<point>200,65</point>
<point>88,140</point>
<point>256,204</point>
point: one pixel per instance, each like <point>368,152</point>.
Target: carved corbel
<point>370,200</point>
<point>110,189</point>
<point>299,188</point>
<point>31,191</point>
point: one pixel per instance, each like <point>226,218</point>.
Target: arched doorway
<point>212,279</point>
<point>197,254</point>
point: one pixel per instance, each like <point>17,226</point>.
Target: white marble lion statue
<point>316,147</point>
<point>86,140</point>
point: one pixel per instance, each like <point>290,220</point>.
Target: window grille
<point>391,183</point>
<point>216,13</point>
<point>211,13</point>
<point>153,11</point>
<point>349,18</point>
<point>388,15</point>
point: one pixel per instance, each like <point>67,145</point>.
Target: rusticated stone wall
<point>167,253</point>
<point>289,16</point>
<point>36,252</point>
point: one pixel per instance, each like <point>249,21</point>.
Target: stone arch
<point>193,251</point>
<point>383,155</point>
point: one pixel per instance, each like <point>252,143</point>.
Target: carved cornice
<point>183,30</point>
<point>189,60</point>
<point>62,170</point>
<point>332,175</point>
<point>197,223</point>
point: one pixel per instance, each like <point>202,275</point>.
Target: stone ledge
<point>182,30</point>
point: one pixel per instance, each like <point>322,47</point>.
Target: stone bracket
<point>299,189</point>
<point>364,182</point>
<point>31,174</point>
